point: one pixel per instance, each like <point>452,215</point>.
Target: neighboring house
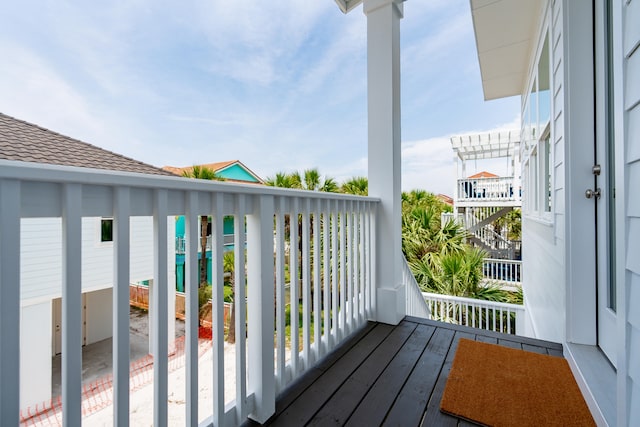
<point>576,66</point>
<point>229,171</point>
<point>41,255</point>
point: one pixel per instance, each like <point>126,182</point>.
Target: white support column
<point>260,301</point>
<point>383,57</point>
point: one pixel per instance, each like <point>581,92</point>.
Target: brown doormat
<point>499,386</point>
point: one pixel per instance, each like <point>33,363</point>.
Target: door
<point>603,192</point>
<point>56,310</point>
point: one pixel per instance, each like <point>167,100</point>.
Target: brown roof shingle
<point>26,142</point>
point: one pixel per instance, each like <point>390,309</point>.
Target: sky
<point>279,85</point>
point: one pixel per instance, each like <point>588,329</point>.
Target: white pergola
<point>486,146</point>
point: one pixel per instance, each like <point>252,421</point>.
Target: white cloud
<point>30,89</point>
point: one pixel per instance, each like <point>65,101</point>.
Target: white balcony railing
<point>416,304</point>
<point>488,315</point>
<point>499,189</point>
<point>332,276</point>
<point>503,271</point>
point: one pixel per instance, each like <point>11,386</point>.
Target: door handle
<point>590,194</point>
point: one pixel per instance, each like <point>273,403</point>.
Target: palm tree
<point>202,172</point>
<point>310,180</point>
<point>358,185</point>
<point>228,266</point>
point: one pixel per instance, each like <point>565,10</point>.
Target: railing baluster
<point>342,328</point>
<point>191,286</point>
<point>280,295</point>
<point>335,324</point>
<point>306,286</point>
<point>349,266</point>
<point>317,285</point>
<point>121,267</point>
<point>159,306</point>
<point>328,338</point>
<point>361,256</point>
<point>260,308</point>
<point>71,304</point>
<point>10,204</point>
<point>217,315</point>
<point>293,287</point>
<point>241,309</point>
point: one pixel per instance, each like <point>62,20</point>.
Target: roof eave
<point>347,5</point>
<point>504,32</point>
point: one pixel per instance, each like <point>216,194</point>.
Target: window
<point>106,230</point>
<point>537,154</point>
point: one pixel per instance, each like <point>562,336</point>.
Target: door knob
<point>590,194</point>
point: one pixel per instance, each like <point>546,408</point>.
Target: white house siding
<point>631,41</point>
<point>41,256</point>
<point>543,240</point>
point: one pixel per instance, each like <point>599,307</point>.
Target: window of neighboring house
<point>106,230</point>
<point>537,150</point>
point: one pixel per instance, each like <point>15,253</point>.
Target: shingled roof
<point>26,142</point>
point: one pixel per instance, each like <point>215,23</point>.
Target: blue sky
<point>279,85</point>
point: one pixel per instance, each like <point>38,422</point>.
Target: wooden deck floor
<point>386,375</point>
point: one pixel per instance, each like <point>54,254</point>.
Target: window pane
<point>544,93</point>
<point>106,234</point>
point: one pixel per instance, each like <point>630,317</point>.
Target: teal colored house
<point>233,171</point>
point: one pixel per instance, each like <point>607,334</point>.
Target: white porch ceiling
<point>504,31</point>
<point>486,146</point>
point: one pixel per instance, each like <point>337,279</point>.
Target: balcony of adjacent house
<point>486,189</point>
<point>495,180</point>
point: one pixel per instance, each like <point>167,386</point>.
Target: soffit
<point>504,31</point>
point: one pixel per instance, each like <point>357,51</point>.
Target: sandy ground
<point>141,401</point>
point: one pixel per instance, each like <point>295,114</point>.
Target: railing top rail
<point>27,171</point>
<point>492,178</point>
<point>472,301</point>
<point>504,261</point>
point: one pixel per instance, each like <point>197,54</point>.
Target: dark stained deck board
<point>413,398</point>
<point>386,375</point>
<point>433,416</point>
<point>376,404</point>
<point>338,409</point>
<point>313,398</point>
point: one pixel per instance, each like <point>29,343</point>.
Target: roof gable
<point>232,170</point>
<point>483,174</point>
<point>26,142</point>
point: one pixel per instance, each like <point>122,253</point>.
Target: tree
<point>438,255</point>
<point>202,172</point>
<point>228,266</point>
<point>358,185</point>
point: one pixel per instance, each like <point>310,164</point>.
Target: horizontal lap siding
<point>41,256</point>
<point>631,41</point>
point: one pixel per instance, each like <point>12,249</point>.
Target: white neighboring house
<point>576,65</point>
<point>41,256</point>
